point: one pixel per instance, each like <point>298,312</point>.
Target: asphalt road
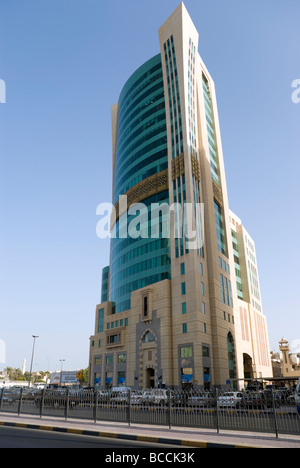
<point>11,437</point>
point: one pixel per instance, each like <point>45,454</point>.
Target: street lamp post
<point>34,338</point>
<point>61,369</point>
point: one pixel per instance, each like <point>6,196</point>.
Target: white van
<point>119,394</point>
<point>155,396</point>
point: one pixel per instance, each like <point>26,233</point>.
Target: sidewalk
<point>186,437</point>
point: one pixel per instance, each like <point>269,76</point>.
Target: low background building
<point>65,378</point>
<point>290,363</point>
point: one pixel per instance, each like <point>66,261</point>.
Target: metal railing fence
<point>260,411</point>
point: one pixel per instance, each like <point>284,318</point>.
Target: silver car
<point>231,400</point>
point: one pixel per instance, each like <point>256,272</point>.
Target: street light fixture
<point>34,338</point>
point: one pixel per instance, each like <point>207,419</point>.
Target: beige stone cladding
<point>209,328</point>
<point>252,340</point>
<point>143,338</point>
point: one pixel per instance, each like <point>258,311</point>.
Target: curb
<point>137,438</point>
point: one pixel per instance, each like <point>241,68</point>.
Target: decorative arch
<point>148,337</point>
<point>248,366</point>
<point>148,359</point>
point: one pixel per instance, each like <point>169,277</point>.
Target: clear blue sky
<point>64,63</point>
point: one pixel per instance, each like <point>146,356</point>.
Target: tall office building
<point>172,313</point>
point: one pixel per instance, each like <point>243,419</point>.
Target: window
<point>98,361</point>
<point>230,293</point>
<point>97,378</point>
<point>204,328</point>
<point>201,269</point>
<point>182,268</point>
<point>145,307</point>
<point>148,337</point>
<point>109,360</point>
<point>183,306</point>
<point>186,352</point>
<point>108,378</point>
<point>222,288</point>
<point>206,377</point>
<point>202,289</point>
<point>126,322</point>
<point>205,351</point>
<point>121,378</point>
<point>184,328</point>
<point>114,339</point>
<point>226,291</point>
<point>186,375</point>
<point>220,225</point>
<point>203,307</point>
<point>101,321</point>
<point>100,343</point>
<point>122,358</point>
<point>183,290</point>
<point>231,356</point>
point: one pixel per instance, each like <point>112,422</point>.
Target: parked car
<point>119,395</point>
<point>103,396</point>
<point>205,400</point>
<point>231,400</point>
<point>155,397</point>
<point>258,400</point>
<point>136,398</point>
<point>271,398</point>
<point>10,396</point>
<point>180,399</point>
<point>52,398</point>
<point>82,397</point>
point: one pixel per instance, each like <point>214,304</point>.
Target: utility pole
<point>34,338</point>
<point>61,369</point>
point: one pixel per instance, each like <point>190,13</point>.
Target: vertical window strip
<point>167,59</point>
<point>191,100</point>
<point>174,97</point>
<point>230,294</point>
<point>197,199</point>
<point>179,121</point>
<point>176,132</point>
<point>214,160</point>
<point>226,291</point>
<point>222,288</point>
<point>220,227</point>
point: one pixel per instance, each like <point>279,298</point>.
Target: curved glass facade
<point>141,152</point>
